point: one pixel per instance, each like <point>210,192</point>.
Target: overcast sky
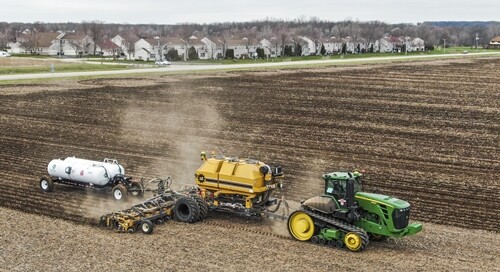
<point>209,11</point>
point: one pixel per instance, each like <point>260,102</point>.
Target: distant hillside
<point>459,23</point>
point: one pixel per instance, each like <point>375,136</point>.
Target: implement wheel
<point>353,241</point>
<point>186,210</point>
<point>46,184</point>
<point>146,226</point>
<point>202,205</point>
<point>301,226</point>
<point>119,192</point>
<point>136,189</point>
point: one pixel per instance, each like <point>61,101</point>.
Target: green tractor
<point>346,216</point>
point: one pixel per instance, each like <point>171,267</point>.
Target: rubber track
<point>340,225</point>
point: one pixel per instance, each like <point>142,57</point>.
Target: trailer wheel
<point>146,226</point>
<point>202,205</point>
<point>46,184</point>
<point>186,210</point>
<point>119,192</point>
<point>136,189</point>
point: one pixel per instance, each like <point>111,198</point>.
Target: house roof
<point>43,39</point>
<point>74,36</point>
<point>130,37</point>
<point>495,40</point>
<point>235,42</point>
<point>107,44</point>
<point>193,40</point>
<point>46,38</point>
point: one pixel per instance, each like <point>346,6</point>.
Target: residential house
<point>211,48</point>
<point>494,43</point>
<point>415,44</point>
<point>271,49</point>
<point>126,43</point>
<point>253,45</point>
<point>389,44</point>
<point>200,47</point>
<point>360,45</point>
<point>350,44</point>
<point>146,49</point>
<point>108,48</point>
<point>308,46</point>
<point>333,45</point>
<point>40,43</point>
<point>240,47</point>
<point>75,44</point>
<point>220,48</point>
<point>177,44</point>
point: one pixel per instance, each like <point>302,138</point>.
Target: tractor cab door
<point>336,188</point>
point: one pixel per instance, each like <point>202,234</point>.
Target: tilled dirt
<point>425,133</point>
<point>38,243</point>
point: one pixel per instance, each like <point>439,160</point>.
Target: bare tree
<point>373,31</point>
<point>95,29</point>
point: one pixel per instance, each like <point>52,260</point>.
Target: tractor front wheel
<point>301,226</point>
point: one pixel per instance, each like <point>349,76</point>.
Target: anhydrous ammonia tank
<point>86,171</point>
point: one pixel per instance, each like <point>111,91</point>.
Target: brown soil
<point>37,243</point>
<point>428,134</point>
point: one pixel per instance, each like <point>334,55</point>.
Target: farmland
<point>427,132</point>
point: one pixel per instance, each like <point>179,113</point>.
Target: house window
<point>202,54</point>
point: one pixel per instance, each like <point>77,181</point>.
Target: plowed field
<point>428,133</point>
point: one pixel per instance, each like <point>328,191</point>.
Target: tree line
<point>433,33</point>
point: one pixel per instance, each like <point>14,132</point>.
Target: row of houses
<point>60,43</point>
<point>73,44</point>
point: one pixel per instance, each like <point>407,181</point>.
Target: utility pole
<point>477,40</point>
<point>444,46</point>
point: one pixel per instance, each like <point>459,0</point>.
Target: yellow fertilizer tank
<point>237,184</point>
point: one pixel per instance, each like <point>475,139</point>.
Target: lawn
<point>437,51</point>
<point>58,67</point>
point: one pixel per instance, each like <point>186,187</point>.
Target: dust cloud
<point>171,126</point>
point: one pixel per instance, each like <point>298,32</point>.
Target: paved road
<point>177,68</point>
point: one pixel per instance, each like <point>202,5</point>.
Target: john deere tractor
<point>346,216</point>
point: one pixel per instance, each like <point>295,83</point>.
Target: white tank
<point>92,172</point>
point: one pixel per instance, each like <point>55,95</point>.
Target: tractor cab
<point>336,184</point>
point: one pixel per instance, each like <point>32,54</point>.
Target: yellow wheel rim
<point>301,226</point>
<point>352,241</point>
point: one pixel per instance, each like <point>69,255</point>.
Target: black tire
<point>186,210</point>
<point>315,239</point>
<point>331,243</point>
<point>146,226</point>
<point>136,189</point>
<point>46,184</point>
<point>339,244</point>
<point>119,192</point>
<point>202,205</point>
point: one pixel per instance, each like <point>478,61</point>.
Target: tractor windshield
<point>337,188</point>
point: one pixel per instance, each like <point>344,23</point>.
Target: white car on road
<point>4,54</point>
<point>163,62</point>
